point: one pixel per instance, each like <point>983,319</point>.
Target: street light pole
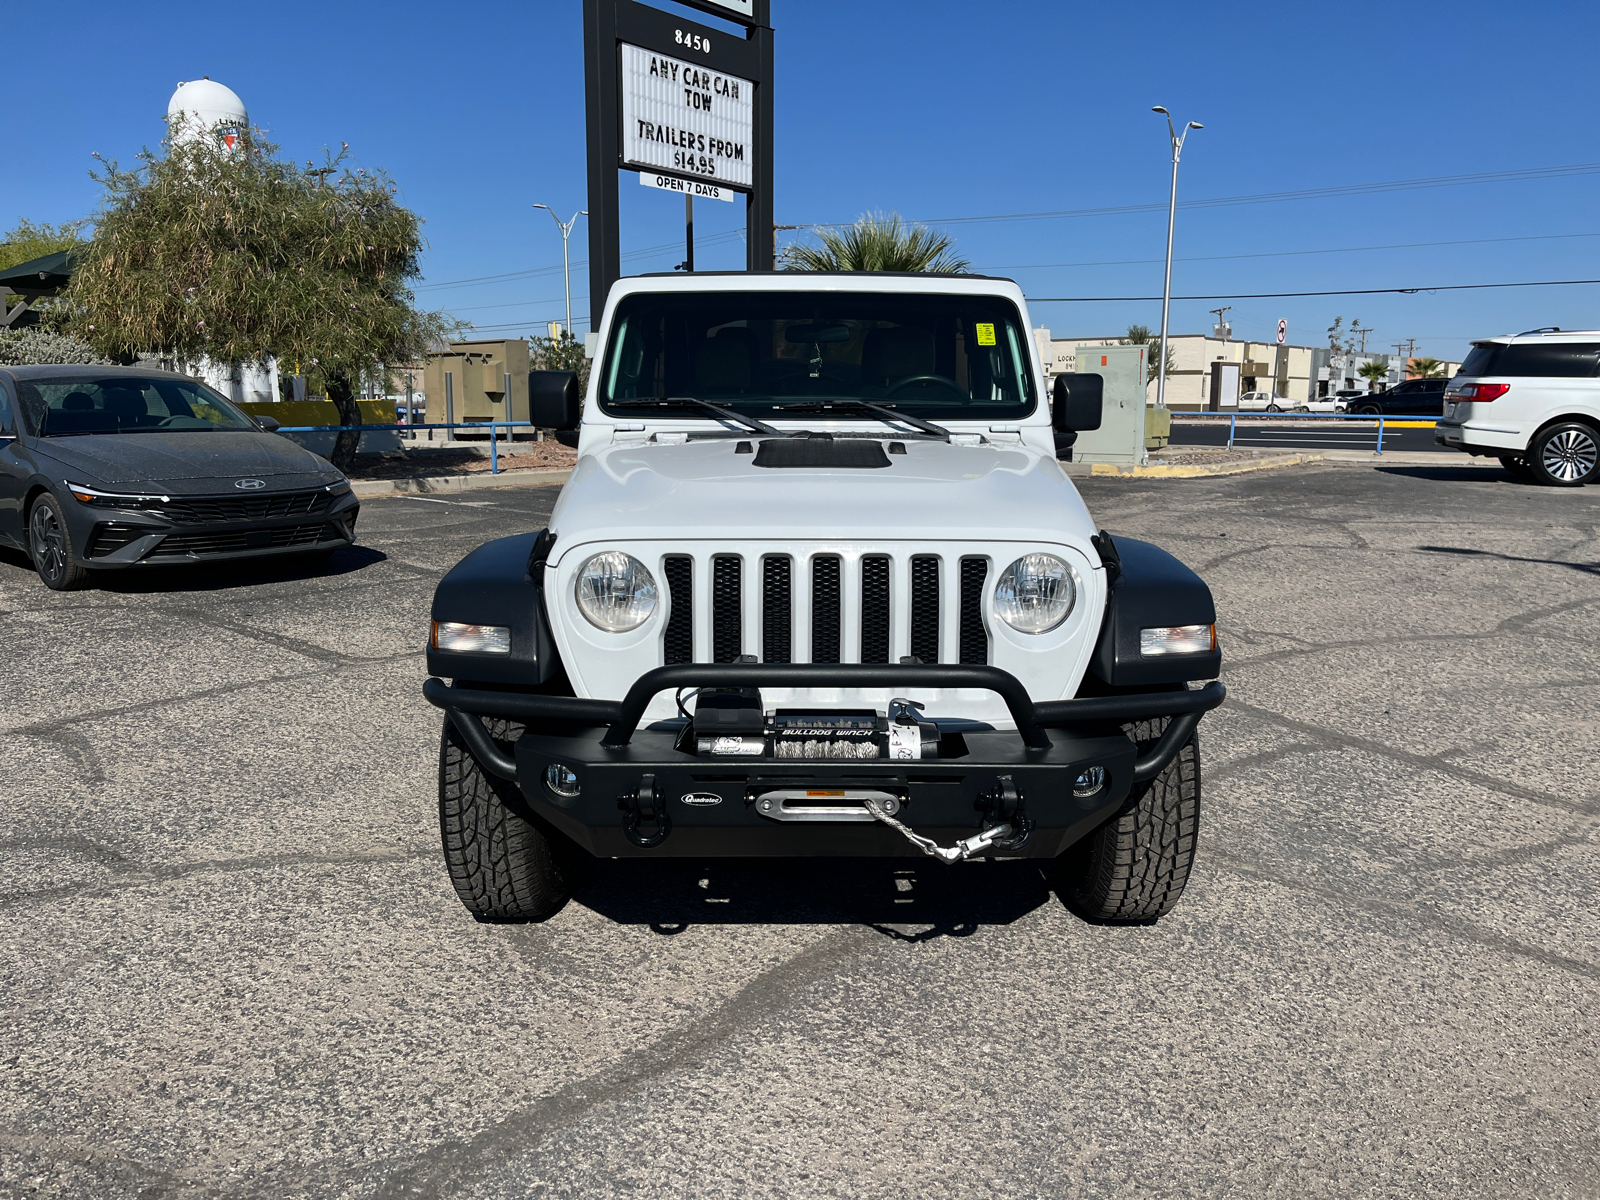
<point>566,269</point>
<point>1172,214</point>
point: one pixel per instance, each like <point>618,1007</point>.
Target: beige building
<point>1285,371</point>
<point>478,381</point>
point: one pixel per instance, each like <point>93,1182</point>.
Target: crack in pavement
<point>1452,926</point>
<point>47,727</point>
<point>1589,806</point>
<point>126,874</point>
<point>453,1166</point>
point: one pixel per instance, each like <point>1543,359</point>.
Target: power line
<point>709,240</point>
<point>1129,262</point>
<point>1349,189</point>
<point>1447,287</point>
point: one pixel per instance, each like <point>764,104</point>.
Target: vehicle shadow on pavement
<point>1488,473</point>
<point>212,577</point>
<point>904,899</point>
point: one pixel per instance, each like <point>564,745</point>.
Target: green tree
<point>29,241</point>
<point>1373,372</point>
<point>1143,335</point>
<point>561,353</point>
<point>238,255</point>
<point>878,243</point>
<point>1426,368</point>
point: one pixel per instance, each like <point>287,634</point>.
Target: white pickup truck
<point>818,586</point>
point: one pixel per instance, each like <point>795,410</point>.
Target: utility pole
<point>566,269</point>
<point>1364,333</point>
<point>1172,216</point>
<point>1222,329</point>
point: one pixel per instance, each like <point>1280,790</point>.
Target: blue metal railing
<point>1233,420</point>
<point>396,427</point>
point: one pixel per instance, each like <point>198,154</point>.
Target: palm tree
<point>1426,368</point>
<point>878,243</point>
<point>1373,372</point>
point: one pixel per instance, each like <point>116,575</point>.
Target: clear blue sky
<point>935,109</point>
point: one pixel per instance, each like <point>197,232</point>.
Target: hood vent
<point>826,452</point>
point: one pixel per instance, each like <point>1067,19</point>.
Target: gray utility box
<point>1120,438</point>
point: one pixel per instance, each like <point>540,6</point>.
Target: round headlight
<point>616,592</point>
<point>1035,594</point>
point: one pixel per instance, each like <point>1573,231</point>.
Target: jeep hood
<point>707,490</point>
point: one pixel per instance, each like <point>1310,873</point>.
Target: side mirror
<point>268,424</point>
<point>1075,403</point>
<point>553,401</point>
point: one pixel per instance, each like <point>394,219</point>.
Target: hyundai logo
<point>701,799</point>
<point>250,485</point>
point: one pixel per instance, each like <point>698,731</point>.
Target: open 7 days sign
<point>684,118</point>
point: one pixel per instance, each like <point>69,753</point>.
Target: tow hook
<point>643,808</point>
<point>1007,834</point>
<point>1003,806</point>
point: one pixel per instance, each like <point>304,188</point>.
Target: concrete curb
<point>1162,471</point>
<point>369,489</point>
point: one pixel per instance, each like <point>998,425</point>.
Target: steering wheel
<point>911,379</point>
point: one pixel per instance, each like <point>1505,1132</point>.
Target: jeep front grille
<point>939,629</point>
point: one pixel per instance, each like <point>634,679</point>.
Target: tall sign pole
<point>688,104</point>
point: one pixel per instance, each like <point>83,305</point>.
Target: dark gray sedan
<point>108,468</point>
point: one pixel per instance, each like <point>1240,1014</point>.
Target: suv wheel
<point>1370,410</point>
<point>504,868</point>
<point>51,547</point>
<point>1565,455</point>
<point>1134,868</point>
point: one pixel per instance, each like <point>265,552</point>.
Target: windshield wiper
<point>726,414</point>
<point>883,412</point>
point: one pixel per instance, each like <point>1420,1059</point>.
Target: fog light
<point>562,780</point>
<point>471,639</point>
<point>1089,782</point>
<point>1178,639</point>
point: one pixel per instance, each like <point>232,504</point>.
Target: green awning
<point>42,276</point>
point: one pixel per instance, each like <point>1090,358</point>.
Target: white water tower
<point>203,108</point>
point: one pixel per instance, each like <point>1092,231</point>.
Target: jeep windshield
<point>790,356</point>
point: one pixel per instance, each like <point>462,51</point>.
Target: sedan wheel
<point>52,548</point>
<point>1565,455</point>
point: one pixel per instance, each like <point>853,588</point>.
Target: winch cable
<point>963,849</point>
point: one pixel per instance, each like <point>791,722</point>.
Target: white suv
<point>1533,401</point>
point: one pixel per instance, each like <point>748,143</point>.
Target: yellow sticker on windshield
<point>985,335</point>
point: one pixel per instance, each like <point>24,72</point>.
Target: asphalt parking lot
<point>232,964</point>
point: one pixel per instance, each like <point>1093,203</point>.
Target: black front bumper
<point>108,538</point>
<point>979,771</point>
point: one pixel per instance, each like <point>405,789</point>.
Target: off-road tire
<point>505,869</point>
<point>1565,455</point>
<point>50,547</point>
<point>1133,868</point>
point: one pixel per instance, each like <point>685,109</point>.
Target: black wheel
<point>1565,455</point>
<point>1516,466</point>
<point>1370,410</point>
<point>504,868</point>
<point>1134,868</point>
<point>51,547</point>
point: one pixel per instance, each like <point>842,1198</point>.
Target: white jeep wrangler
<point>819,586</point>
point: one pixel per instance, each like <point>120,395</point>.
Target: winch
<point>730,722</point>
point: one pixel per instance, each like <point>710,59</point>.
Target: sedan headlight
<point>1036,593</point>
<point>615,592</point>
